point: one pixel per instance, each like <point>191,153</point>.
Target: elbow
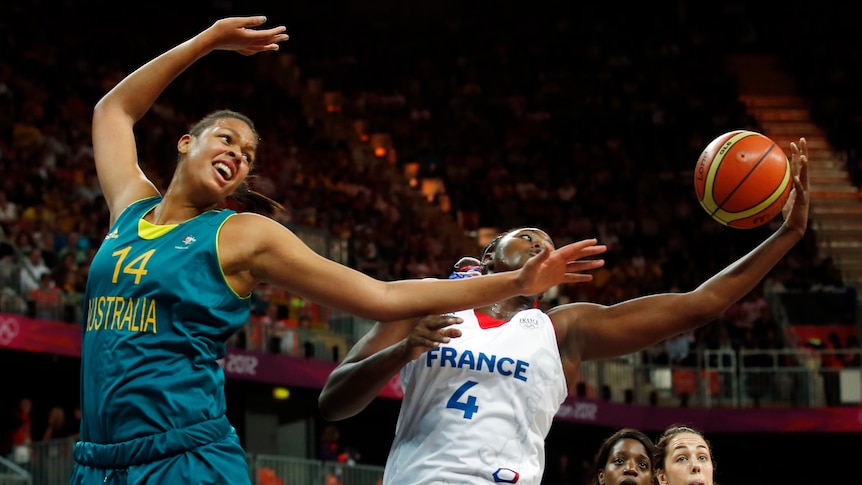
<point>330,410</point>
<point>327,412</point>
<point>101,110</point>
<point>105,104</point>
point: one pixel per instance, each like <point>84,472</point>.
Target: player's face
<point>628,464</point>
<point>688,461</point>
<point>519,246</point>
<point>221,156</point>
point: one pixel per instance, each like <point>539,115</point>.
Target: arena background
<point>809,35</point>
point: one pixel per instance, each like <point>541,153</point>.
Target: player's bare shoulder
<point>245,234</point>
<point>569,318</point>
<point>252,229</point>
<point>246,237</point>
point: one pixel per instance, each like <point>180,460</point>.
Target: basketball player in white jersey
<point>481,387</point>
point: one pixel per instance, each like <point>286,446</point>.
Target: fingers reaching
<point>580,255</point>
<point>796,210</point>
<point>238,34</point>
<point>803,162</point>
<point>431,331</point>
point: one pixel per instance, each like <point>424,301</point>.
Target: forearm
<point>410,298</point>
<point>352,386</point>
<point>742,276</point>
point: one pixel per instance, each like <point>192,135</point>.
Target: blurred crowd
<point>550,120</point>
<point>410,137</point>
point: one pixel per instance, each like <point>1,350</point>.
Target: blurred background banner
<point>287,371</point>
<point>55,338</point>
<point>735,420</point>
<point>21,333</point>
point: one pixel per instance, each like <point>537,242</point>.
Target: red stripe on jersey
<point>487,321</point>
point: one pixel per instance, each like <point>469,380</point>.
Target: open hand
<point>428,332</point>
<point>552,267</point>
<point>795,211</point>
<point>237,34</point>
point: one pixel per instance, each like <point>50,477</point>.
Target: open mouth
<point>224,170</point>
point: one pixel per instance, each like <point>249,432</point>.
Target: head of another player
<point>682,455</point>
<point>512,249</point>
<point>216,157</point>
<point>625,458</point>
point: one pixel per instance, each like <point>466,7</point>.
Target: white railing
<point>50,463</point>
<point>744,378</point>
<point>13,474</point>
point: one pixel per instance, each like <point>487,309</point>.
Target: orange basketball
<point>742,179</point>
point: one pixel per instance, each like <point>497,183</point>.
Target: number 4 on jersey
<point>469,405</point>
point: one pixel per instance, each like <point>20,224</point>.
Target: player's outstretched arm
<point>122,181</point>
<point>589,331</point>
<point>376,359</point>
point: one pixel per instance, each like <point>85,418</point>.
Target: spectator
<point>22,436</point>
<point>90,190</point>
<point>58,426</point>
<point>853,355</point>
<point>76,246</point>
<point>57,451</point>
<point>46,300</point>
<point>678,349</point>
<point>64,267</point>
<point>32,269</point>
<point>8,212</point>
<point>330,444</point>
<point>832,362</point>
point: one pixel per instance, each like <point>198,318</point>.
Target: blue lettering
<point>505,366</point>
<point>467,360</point>
<point>488,360</point>
<point>431,355</point>
<point>448,354</point>
<point>500,368</point>
<point>521,369</point>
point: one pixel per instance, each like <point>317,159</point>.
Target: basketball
<point>743,179</point>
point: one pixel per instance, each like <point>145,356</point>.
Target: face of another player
<point>628,464</point>
<point>688,462</point>
<point>518,246</point>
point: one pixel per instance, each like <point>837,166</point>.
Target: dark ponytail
<point>246,199</point>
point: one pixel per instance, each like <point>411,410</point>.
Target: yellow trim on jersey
<point>218,258</point>
<point>148,230</point>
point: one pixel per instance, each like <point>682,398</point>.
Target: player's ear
<point>487,263</point>
<point>183,143</point>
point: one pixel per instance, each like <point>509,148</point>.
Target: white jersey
<point>478,409</point>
